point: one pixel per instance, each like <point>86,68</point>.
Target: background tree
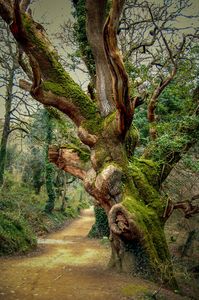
<point>18,108</point>
<point>126,186</point>
<point>49,169</point>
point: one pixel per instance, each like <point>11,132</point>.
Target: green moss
<point>83,153</point>
<point>148,194</point>
<point>133,289</point>
<point>15,234</point>
<point>149,168</point>
<point>94,125</point>
<point>109,119</point>
<point>150,225</point>
<point>73,93</point>
<point>101,228</point>
<point>58,80</point>
<point>131,140</point>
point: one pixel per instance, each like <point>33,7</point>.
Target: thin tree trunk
<point>6,127</point>
<point>50,204</point>
<point>63,195</point>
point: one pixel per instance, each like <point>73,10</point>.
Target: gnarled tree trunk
<point>128,188</point>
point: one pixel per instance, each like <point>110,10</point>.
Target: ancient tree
<point>125,185</point>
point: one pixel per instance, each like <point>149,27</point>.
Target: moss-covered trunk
<point>49,166</point>
<point>138,241</point>
<point>128,190</point>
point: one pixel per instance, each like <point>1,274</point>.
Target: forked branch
<point>118,73</point>
<point>51,85</point>
<point>153,103</point>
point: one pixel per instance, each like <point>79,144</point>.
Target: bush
<point>101,228</point>
<point>15,234</point>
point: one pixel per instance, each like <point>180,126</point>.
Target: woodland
<point>122,138</point>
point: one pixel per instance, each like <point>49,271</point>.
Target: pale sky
<point>59,11</point>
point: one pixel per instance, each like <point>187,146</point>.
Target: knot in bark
<point>109,181</point>
<point>123,224</point>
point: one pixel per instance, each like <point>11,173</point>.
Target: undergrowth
<point>22,217</point>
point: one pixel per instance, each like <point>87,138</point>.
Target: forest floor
<point>67,265</point>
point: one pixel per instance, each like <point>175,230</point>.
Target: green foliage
<point>33,172</point>
<point>191,163</point>
<point>71,212</point>
<point>15,234</point>
<point>101,227</point>
<point>49,168</point>
<point>22,217</point>
<point>81,37</point>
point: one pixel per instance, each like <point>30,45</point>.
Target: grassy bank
<point>22,217</point>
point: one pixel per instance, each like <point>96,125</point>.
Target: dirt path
<point>67,265</point>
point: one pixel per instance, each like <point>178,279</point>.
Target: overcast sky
<point>59,11</point>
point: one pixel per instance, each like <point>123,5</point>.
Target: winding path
<point>67,265</point>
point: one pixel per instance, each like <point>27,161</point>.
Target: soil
<point>67,265</point>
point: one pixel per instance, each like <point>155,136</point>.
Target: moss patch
<point>15,234</point>
<point>57,79</point>
<point>154,243</point>
<point>132,290</point>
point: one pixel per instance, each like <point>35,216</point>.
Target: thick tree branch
<point>49,77</point>
<point>187,207</point>
<point>95,23</point>
<point>24,64</point>
<point>48,98</point>
<point>119,75</point>
<point>67,160</point>
<point>153,102</point>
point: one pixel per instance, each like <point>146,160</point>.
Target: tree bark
<point>6,126</point>
<point>126,187</point>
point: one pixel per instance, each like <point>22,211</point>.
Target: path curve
<point>68,266</point>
